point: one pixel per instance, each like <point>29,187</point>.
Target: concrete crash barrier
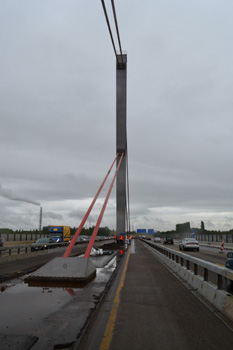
<point>219,298</point>
<point>65,272</point>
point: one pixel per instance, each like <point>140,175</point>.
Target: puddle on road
<point>25,308</point>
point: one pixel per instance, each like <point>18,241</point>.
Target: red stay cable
<point>94,234</point>
<point>77,233</point>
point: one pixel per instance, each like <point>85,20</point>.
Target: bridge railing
<point>196,265</point>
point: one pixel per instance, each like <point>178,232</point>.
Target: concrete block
<point>74,269</point>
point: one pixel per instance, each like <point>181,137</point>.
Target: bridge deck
<point>154,311</point>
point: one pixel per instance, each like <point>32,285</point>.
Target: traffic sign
<point>141,230</point>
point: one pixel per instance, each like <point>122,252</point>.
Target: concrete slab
<point>74,269</point>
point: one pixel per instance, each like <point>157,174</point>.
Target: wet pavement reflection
<point>25,309</point>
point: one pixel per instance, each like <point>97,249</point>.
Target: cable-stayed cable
<point>117,30</point>
<point>109,28</point>
<point>94,233</point>
<point>77,233</point>
<point>110,31</point>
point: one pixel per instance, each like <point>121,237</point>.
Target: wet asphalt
<point>46,317</point>
<point>157,311</point>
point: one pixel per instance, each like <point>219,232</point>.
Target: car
<point>79,240</point>
<point>229,265</point>
<point>86,238</point>
<point>189,244</point>
<point>168,241</point>
<point>102,238</point>
<point>83,239</point>
<point>43,243</point>
<point>157,240</point>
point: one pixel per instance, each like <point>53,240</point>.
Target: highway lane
<point>210,254</point>
<point>149,308</point>
<point>205,253</point>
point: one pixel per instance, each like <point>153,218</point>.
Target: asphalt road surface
<point>149,308</point>
<point>206,253</point>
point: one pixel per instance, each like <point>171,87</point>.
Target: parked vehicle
<point>43,243</point>
<point>157,240</point>
<point>60,233</point>
<point>229,265</point>
<point>189,244</point>
<point>168,241</point>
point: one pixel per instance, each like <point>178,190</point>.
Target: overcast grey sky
<point>58,111</point>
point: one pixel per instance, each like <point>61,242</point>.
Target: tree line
<point>103,231</point>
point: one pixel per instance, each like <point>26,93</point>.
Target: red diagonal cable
<point>72,243</point>
<point>94,234</point>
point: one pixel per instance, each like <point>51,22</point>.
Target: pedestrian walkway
<point>152,309</point>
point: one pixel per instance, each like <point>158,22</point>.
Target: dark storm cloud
<point>58,111</point>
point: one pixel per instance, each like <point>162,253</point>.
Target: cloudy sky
<point>58,111</point>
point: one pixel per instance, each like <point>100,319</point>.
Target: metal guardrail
<point>194,264</point>
<point>25,249</point>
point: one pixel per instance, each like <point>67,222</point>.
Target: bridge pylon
<point>121,141</point>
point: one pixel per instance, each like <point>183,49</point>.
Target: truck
<point>60,234</point>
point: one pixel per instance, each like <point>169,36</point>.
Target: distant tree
<point>202,227</point>
<point>183,228</point>
<point>103,231</point>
